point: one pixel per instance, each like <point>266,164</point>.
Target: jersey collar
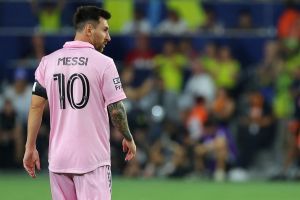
<point>78,44</point>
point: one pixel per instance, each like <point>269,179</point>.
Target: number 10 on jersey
<point>62,89</point>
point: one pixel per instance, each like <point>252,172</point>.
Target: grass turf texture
<point>16,186</point>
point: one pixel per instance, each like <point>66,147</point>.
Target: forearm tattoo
<point>118,118</point>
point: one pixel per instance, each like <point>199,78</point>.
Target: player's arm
<point>34,119</point>
<point>38,102</point>
<point>118,118</point>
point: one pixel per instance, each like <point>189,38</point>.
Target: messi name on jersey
<point>68,61</point>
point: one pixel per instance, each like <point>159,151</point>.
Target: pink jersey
<point>80,84</point>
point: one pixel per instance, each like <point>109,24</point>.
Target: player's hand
<point>30,161</point>
<point>130,148</point>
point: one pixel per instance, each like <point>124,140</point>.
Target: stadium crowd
<point>193,112</point>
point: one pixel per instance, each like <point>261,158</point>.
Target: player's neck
<point>82,38</point>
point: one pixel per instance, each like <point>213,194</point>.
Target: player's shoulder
<point>51,55</point>
<point>97,55</point>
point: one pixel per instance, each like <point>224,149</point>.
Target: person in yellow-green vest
<point>49,21</point>
<point>170,65</point>
<point>49,15</point>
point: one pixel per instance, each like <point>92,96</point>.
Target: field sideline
<point>17,186</point>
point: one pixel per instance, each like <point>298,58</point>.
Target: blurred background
<point>213,86</point>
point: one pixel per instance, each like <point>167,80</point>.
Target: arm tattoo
<point>118,118</point>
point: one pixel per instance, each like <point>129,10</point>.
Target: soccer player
<point>83,89</point>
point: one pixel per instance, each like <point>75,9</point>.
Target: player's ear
<point>88,29</point>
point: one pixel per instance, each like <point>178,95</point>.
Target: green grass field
<point>16,186</point>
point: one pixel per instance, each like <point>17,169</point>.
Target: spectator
<point>228,69</point>
<point>140,60</point>
<point>168,158</point>
<point>49,21</point>
<point>170,65</point>
<point>139,24</point>
<point>186,49</point>
<point>157,160</point>
<point>214,151</point>
<point>291,52</point>
<point>161,105</point>
<point>256,128</point>
<point>209,59</point>
<point>135,93</point>
<point>49,15</point>
<point>271,65</point>
<point>292,136</point>
<point>223,108</point>
<point>196,119</point>
<point>267,75</point>
<point>137,81</point>
<point>172,25</point>
<point>288,71</point>
<point>11,137</point>
<point>245,21</point>
<point>20,94</point>
<point>289,21</point>
<point>180,163</point>
<point>211,24</point>
<point>200,84</point>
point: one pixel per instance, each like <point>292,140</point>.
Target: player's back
<point>80,83</point>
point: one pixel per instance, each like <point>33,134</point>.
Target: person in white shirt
<point>139,24</point>
<point>172,25</point>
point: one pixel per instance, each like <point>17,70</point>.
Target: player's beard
<point>100,48</point>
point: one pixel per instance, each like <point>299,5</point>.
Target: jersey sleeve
<point>111,86</point>
<point>40,73</point>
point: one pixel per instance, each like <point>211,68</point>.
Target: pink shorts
<point>94,185</point>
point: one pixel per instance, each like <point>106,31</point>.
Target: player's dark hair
<point>89,14</point>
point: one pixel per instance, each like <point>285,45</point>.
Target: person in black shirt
<point>11,139</point>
